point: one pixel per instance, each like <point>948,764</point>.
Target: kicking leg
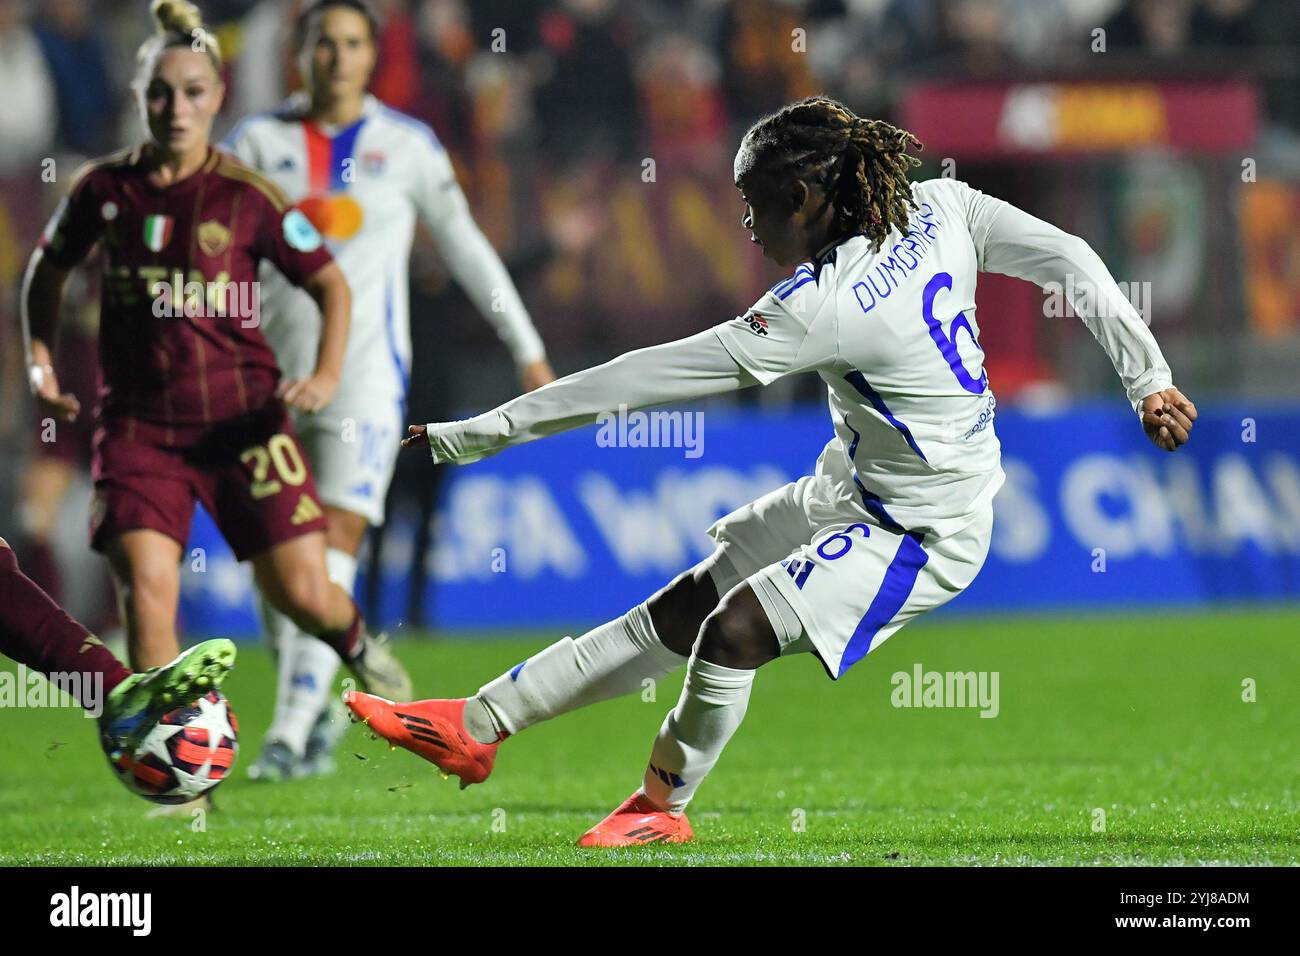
<point>38,633</point>
<point>649,641</point>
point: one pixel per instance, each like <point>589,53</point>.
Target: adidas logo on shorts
<point>307,510</point>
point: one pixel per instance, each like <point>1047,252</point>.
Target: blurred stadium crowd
<point>594,138</point>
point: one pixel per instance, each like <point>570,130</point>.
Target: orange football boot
<point>432,729</point>
<point>637,822</point>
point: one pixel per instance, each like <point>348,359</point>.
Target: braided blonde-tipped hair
<point>862,163</point>
<point>179,23</point>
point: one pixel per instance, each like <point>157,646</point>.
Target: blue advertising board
<point>569,531</point>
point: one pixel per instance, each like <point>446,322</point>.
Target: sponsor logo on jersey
<point>372,161</point>
<point>756,323</point>
<point>335,215</point>
<point>214,238</point>
<point>985,419</point>
<point>157,232</point>
<point>286,165</point>
<point>300,233</point>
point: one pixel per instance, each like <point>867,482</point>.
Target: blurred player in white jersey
<point>896,518</point>
<point>362,173</point>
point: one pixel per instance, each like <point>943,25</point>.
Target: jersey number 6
<point>281,452</point>
<point>947,342</point>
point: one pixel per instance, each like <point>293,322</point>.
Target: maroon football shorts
<point>250,474</point>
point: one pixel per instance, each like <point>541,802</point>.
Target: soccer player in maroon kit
<point>38,633</point>
<point>191,406</point>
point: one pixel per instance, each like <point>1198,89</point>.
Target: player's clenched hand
<point>1167,418</point>
<point>418,438</point>
<point>308,394</point>
<point>45,386</point>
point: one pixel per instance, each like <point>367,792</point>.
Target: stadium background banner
<point>981,120</point>
<point>570,531</point>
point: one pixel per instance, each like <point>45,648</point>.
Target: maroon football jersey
<point>180,342</point>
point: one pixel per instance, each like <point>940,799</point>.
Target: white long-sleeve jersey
<point>894,336</point>
<point>363,186</point>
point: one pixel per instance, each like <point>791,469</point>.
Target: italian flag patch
<point>157,232</point>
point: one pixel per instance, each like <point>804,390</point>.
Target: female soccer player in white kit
<point>896,518</point>
<point>362,172</point>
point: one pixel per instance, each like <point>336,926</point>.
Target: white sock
<point>691,739</point>
<point>279,631</point>
<point>610,661</point>
<point>307,665</point>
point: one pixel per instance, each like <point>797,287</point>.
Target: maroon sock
<point>346,642</point>
<point>37,632</point>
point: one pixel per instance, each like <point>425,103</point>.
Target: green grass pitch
<point>1137,717</point>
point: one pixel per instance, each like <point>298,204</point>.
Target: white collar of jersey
<point>298,106</point>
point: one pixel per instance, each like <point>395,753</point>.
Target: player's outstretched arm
<point>1012,242</point>
<point>679,371</point>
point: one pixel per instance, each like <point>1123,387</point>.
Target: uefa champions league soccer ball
<point>187,753</point>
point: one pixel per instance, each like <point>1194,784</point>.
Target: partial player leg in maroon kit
<point>38,633</point>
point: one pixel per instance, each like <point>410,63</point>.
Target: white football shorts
<point>831,578</point>
<point>353,450</point>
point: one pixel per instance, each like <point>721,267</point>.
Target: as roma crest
<point>214,238</point>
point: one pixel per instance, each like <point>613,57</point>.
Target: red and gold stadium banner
<point>989,120</point>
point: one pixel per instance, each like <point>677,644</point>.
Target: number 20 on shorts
<point>282,453</point>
